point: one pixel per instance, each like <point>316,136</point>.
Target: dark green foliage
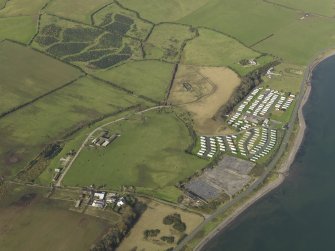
<point>180,226</point>
<point>109,61</point>
<point>107,20</point>
<point>168,239</point>
<point>46,40</point>
<point>171,219</point>
<point>118,28</point>
<point>51,151</point>
<point>88,55</point>
<point>244,62</point>
<point>169,249</point>
<point>123,19</point>
<point>110,40</point>
<point>80,34</point>
<point>63,49</point>
<point>126,50</point>
<point>151,233</point>
<point>51,30</point>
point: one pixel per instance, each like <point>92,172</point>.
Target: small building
<point>120,202</point>
<point>111,197</point>
<point>99,195</point>
<point>78,203</point>
<point>98,203</point>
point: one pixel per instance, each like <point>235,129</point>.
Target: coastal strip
<point>285,166</point>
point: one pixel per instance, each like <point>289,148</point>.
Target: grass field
<point>76,10</point>
<point>247,20</point>
<point>25,132</point>
<point>288,80</point>
<point>22,8</point>
<point>149,78</point>
<point>162,10</point>
<point>22,78</point>
<point>324,8</point>
<point>40,224</point>
<point>215,49</point>
<point>302,40</point>
<point>152,218</point>
<point>20,29</point>
<point>149,153</point>
<point>165,42</point>
<point>211,88</point>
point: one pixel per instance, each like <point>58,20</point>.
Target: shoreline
<point>286,165</point>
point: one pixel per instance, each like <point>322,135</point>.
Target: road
<point>67,168</point>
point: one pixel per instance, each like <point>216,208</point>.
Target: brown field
<point>211,87</point>
<point>152,218</point>
<point>28,221</point>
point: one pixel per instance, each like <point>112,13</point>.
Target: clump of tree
<point>244,62</point>
<point>249,82</point>
<point>175,221</point>
<point>151,233</point>
<point>168,239</point>
<point>51,150</point>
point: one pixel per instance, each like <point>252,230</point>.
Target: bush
<point>110,40</point>
<point>119,28</point>
<point>88,55</point>
<point>46,40</point>
<point>123,19</point>
<point>64,49</point>
<point>151,233</point>
<point>51,30</point>
<point>171,219</point>
<point>180,226</point>
<point>107,19</point>
<point>81,34</point>
<point>168,239</point>
<point>109,61</point>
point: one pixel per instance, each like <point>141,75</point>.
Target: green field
<point>162,10</point>
<point>76,10</point>
<point>324,8</point>
<point>22,81</point>
<point>149,153</point>
<point>215,49</point>
<point>247,20</point>
<point>22,8</point>
<point>25,132</point>
<point>20,29</point>
<point>302,40</point>
<point>43,224</point>
<point>150,78</point>
<point>166,40</point>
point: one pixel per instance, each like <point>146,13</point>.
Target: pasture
<point>20,29</point>
<point>209,89</point>
<point>216,49</point>
<point>162,10</point>
<point>166,40</point>
<point>76,10</point>
<point>25,132</point>
<point>28,221</point>
<point>22,8</point>
<point>307,39</point>
<point>247,20</point>
<point>150,154</point>
<point>152,218</point>
<point>324,8</point>
<point>22,78</point>
<point>149,78</point>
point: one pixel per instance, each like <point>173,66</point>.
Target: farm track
<point>67,168</point>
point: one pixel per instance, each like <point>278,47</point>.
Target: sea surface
<point>300,214</point>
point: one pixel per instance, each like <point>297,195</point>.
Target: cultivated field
<point>25,132</point>
<point>149,78</point>
<point>76,10</point>
<point>211,88</point>
<point>212,48</point>
<point>161,10</point>
<point>22,78</point>
<point>149,153</point>
<point>153,219</point>
<point>30,222</point>
<point>20,29</point>
<point>166,41</point>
